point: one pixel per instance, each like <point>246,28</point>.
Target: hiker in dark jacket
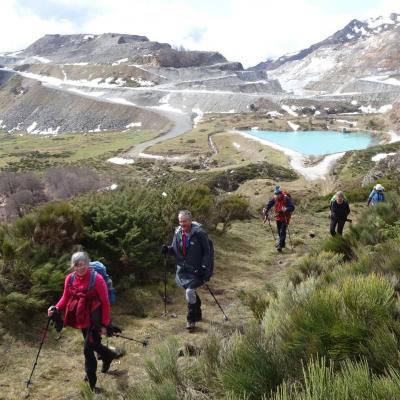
<point>340,210</point>
<point>86,306</point>
<point>283,208</point>
<point>191,248</point>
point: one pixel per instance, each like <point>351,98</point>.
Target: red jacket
<point>278,204</point>
<point>79,304</point>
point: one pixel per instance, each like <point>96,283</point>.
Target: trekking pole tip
<point>226,318</point>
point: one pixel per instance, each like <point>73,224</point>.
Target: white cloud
<point>248,32</point>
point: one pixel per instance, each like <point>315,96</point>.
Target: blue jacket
<point>375,197</point>
<point>191,268</point>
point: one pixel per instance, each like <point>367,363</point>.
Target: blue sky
<point>246,31</point>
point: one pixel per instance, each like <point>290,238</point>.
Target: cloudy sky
<point>246,31</point>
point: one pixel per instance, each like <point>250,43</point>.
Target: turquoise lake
<point>317,143</point>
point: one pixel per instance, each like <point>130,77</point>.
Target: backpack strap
<point>92,279</point>
<point>71,279</point>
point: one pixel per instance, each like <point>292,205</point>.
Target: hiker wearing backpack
<point>340,210</point>
<point>283,208</point>
<point>377,195</point>
<point>86,306</point>
<point>194,262</point>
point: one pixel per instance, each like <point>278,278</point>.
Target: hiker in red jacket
<point>86,306</point>
<point>283,208</point>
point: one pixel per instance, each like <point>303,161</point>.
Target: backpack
<point>210,272</point>
<point>96,267</point>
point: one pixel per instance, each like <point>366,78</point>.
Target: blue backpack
<point>96,267</point>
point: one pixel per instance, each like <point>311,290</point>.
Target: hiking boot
<point>198,314</point>
<point>107,359</point>
<point>190,326</point>
<point>279,248</point>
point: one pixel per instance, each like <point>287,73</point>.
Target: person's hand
<point>103,331</point>
<point>111,329</point>
<point>51,310</point>
<point>164,249</point>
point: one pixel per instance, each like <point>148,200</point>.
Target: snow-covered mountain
<point>127,70</point>
<point>363,57</point>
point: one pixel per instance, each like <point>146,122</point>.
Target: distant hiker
<point>377,195</point>
<point>340,210</point>
<point>86,306</point>
<point>283,208</point>
<point>193,253</point>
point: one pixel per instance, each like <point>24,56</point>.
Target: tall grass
<point>350,319</point>
<point>347,381</point>
<point>249,368</point>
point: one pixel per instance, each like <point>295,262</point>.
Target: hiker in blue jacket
<point>377,195</point>
<point>191,248</point>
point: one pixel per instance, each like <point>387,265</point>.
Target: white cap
<point>379,187</point>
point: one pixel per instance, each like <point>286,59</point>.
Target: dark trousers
<point>93,344</point>
<point>194,311</point>
<point>281,226</point>
<point>340,224</point>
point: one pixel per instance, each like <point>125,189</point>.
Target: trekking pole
<point>165,285</point>
<point>290,238</point>
<point>29,381</point>
<point>270,227</point>
<point>142,342</point>
<point>219,305</point>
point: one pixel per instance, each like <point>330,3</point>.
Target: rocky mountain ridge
<point>354,70</point>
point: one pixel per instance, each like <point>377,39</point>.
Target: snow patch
<point>385,79</point>
<point>133,125</point>
<point>95,130</point>
<point>31,127</point>
<point>289,110</point>
<point>198,117</point>
<point>169,108</point>
<point>120,100</point>
<point>372,110</point>
<point>394,137</point>
<point>121,161</point>
<point>381,156</point>
<point>122,60</point>
<point>273,114</point>
<point>293,126</point>
<point>43,60</point>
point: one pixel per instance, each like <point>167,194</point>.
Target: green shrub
<point>340,245</point>
<point>231,208</point>
<point>313,265</point>
<point>248,368</point>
